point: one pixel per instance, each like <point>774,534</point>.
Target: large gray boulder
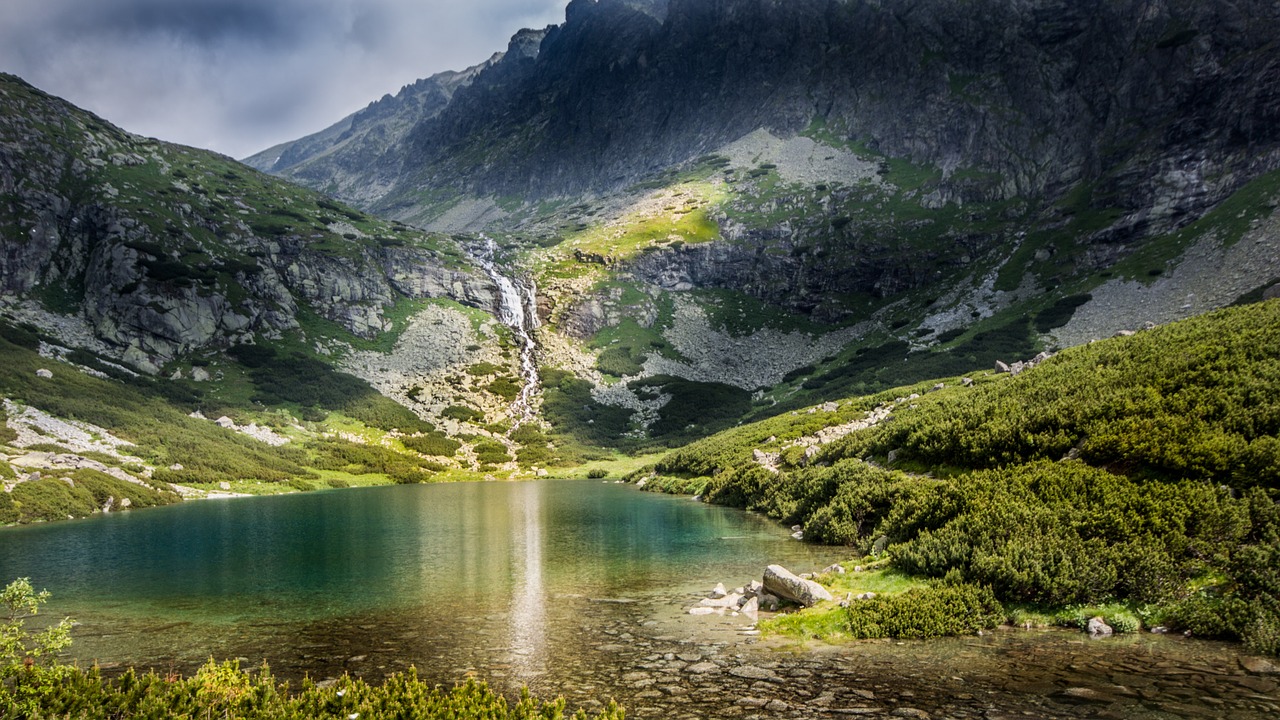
<point>786,585</point>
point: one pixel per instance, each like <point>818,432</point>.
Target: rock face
<point>1169,104</point>
<point>1022,117</point>
<point>211,258</point>
<point>786,585</point>
<point>348,157</point>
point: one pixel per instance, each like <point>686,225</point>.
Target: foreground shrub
<point>34,685</point>
<point>223,690</point>
<point>922,613</point>
<point>938,610</point>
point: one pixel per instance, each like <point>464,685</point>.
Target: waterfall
<point>518,310</point>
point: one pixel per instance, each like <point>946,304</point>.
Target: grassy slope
<point>153,413</point>
<point>207,222</point>
<point>1042,246</point>
<point>1143,470</point>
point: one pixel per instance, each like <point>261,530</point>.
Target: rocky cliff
<point>150,251</point>
<point>941,171</point>
<point>355,157</point>
<point>1164,106</point>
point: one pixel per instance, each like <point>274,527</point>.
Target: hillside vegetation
<point>1142,470</point>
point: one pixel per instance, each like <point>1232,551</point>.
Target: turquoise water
<point>249,577</point>
<point>575,589</point>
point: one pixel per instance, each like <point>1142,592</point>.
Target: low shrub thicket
<point>52,498</point>
<point>434,443</point>
<point>938,610</point>
<point>1170,504</point>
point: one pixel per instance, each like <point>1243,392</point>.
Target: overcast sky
<point>238,76</point>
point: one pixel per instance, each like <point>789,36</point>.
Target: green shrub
<point>434,443</point>
<point>1060,313</point>
<point>28,662</point>
<point>696,409</point>
<point>1119,617</point>
<point>618,362</point>
<point>491,452</point>
<point>462,413</point>
<point>534,455</point>
<point>367,460</point>
<point>597,473</point>
<point>505,388</point>
<point>568,406</point>
<point>922,613</point>
<point>483,368</point>
<point>51,499</point>
<point>23,335</point>
<point>337,483</point>
<point>8,511</point>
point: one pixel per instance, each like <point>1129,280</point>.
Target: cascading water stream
<point>517,309</point>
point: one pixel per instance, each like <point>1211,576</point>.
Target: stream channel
<point>573,588</point>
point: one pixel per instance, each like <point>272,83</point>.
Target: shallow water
<point>572,588</point>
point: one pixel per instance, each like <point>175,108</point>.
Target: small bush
<point>505,388</point>
<point>462,413</point>
<point>491,452</point>
<point>597,473</point>
<point>619,362</point>
<point>922,613</point>
<point>484,368</point>
<point>436,443</point>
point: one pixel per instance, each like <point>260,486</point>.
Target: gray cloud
<point>237,76</point>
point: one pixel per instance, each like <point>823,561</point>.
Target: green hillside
<point>1140,470</point>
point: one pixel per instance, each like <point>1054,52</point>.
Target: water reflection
<point>528,602</point>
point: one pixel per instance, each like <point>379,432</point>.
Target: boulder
<point>44,373</point>
<point>718,591</point>
<point>1098,627</point>
<point>785,584</point>
<point>1259,666</point>
<point>1002,366</point>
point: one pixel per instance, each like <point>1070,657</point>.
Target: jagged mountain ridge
<point>360,141</point>
<point>1169,106</point>
<point>922,184</point>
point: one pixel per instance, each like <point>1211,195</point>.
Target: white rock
<point>783,583</point>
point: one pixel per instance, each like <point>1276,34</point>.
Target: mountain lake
<point>578,589</point>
